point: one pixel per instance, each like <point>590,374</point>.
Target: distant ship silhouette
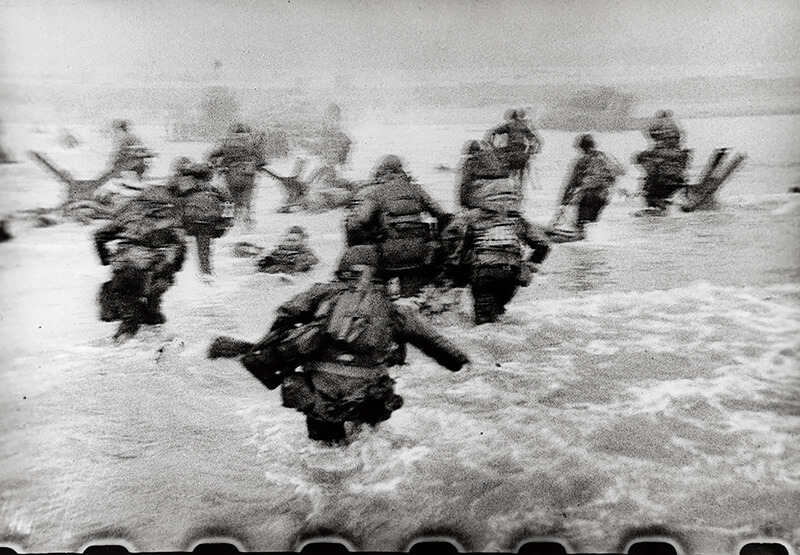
<point>600,109</point>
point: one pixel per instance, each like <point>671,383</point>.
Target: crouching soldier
<point>485,249</point>
<point>291,256</point>
<point>206,206</point>
<point>345,335</point>
<point>149,250</point>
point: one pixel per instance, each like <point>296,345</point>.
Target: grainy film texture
<point>403,275</point>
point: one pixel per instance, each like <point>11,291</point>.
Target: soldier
<point>398,207</point>
<point>520,144</point>
<point>536,147</point>
<point>664,131</point>
<point>480,162</point>
<point>485,249</point>
<point>590,183</point>
<point>665,164</point>
<point>291,256</point>
<point>130,154</point>
<point>345,334</point>
<point>149,250</point>
<point>206,206</point>
<point>239,157</point>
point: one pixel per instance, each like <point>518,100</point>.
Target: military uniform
<point>130,154</point>
<point>664,174</point>
<point>485,249</point>
<point>521,143</point>
<point>150,249</point>
<point>204,207</point>
<point>286,259</point>
<point>409,243</point>
<point>240,157</point>
<point>665,132</point>
<point>480,163</point>
<point>590,183</point>
<point>340,382</point>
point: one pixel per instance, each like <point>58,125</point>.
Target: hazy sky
<point>254,39</point>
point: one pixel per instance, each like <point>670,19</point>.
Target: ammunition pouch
<point>297,392</point>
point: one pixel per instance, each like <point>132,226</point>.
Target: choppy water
<point>647,380</point>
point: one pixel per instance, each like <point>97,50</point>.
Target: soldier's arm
<point>464,180</point>
<point>536,141</point>
<point>535,238</point>
<point>432,207</point>
<point>421,335</point>
<point>102,236</point>
<point>363,214</point>
<point>574,182</point>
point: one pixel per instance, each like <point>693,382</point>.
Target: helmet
<point>664,114</point>
<point>585,142</point>
<point>358,255</point>
<point>239,127</point>
<point>510,114</point>
<point>200,170</point>
<point>333,110</point>
<point>180,164</point>
<point>471,147</point>
<point>120,124</point>
<point>387,165</point>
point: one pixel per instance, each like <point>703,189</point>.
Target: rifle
<point>276,355</point>
<point>257,358</point>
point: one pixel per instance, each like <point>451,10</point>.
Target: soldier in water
<point>129,154</point>
<point>590,184</point>
<point>344,335</point>
<point>148,249</point>
<point>238,157</point>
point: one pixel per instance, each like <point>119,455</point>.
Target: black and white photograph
<point>400,275</point>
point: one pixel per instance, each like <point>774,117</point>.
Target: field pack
<point>361,319</point>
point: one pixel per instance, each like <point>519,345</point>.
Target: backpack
<point>487,164</point>
<point>671,164</point>
<point>148,223</point>
<point>408,240</point>
<point>361,321</point>
<point>207,208</point>
<point>497,195</point>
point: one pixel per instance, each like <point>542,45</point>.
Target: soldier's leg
<point>108,301</point>
<point>322,430</point>
<point>248,189</point>
<point>152,307</point>
<point>505,288</point>
<point>204,251</point>
<point>483,295</point>
<point>130,287</point>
